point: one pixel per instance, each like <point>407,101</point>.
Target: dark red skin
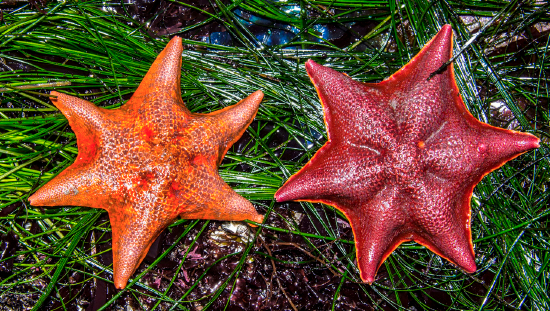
<point>150,161</point>
<point>403,158</point>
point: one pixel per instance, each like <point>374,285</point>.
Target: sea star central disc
<point>402,159</point>
<point>150,161</point>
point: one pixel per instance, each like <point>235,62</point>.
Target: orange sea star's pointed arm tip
<point>84,117</point>
<point>232,121</point>
<point>71,187</point>
<point>162,81</point>
<point>221,203</point>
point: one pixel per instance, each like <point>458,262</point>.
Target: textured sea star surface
<point>150,161</point>
<point>402,159</point>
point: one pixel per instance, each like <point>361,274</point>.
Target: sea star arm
<point>72,186</point>
<point>133,235</point>
<point>442,219</point>
<point>421,102</point>
<point>230,123</point>
<point>83,115</point>
<point>218,201</point>
<point>343,97</point>
<point>161,84</point>
<point>134,229</point>
<point>329,177</point>
<point>430,58</point>
<point>467,149</point>
<point>87,121</point>
<point>375,236</point>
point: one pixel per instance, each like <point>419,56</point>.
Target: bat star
<point>402,158</point>
<point>150,161</point>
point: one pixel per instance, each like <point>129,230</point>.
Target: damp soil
<point>281,271</point>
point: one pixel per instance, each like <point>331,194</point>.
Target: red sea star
<point>150,161</point>
<point>402,159</point>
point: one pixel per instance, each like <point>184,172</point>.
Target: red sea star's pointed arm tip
<point>312,66</point>
<point>518,143</point>
<point>322,76</point>
<point>302,184</point>
<point>430,58</point>
<point>294,188</point>
<point>504,145</point>
<point>326,79</point>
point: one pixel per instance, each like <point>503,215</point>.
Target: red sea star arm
<point>420,104</point>
<point>330,179</point>
<point>441,212</point>
<point>343,97</point>
<point>434,54</point>
<point>467,150</point>
<point>72,186</point>
<point>375,236</point>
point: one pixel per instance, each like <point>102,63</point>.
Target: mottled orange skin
<point>403,158</point>
<point>150,161</point>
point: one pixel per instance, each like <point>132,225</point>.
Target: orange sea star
<point>150,161</point>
